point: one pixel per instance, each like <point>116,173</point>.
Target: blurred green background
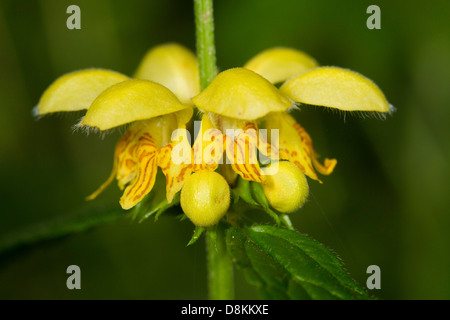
<point>386,204</point>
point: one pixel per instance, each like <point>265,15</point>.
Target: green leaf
<point>285,264</point>
<point>59,228</point>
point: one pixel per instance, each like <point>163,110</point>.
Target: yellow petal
<point>208,146</point>
<point>130,101</point>
<point>269,149</point>
<point>108,181</point>
<point>236,126</point>
<point>296,145</point>
<point>146,152</point>
<point>155,142</point>
<point>175,159</point>
<point>279,64</point>
<point>242,153</point>
<point>173,66</point>
<point>242,94</point>
<point>124,168</point>
<point>144,146</point>
<point>183,116</point>
<point>125,158</point>
<point>176,173</point>
<point>336,88</point>
<point>326,168</point>
<point>77,90</point>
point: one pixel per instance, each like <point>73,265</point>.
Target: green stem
<point>206,50</point>
<point>220,266</point>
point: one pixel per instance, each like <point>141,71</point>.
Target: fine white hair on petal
<point>83,128</point>
<point>60,114</point>
<point>35,112</point>
<point>95,130</point>
<point>371,114</point>
<point>392,109</point>
<point>343,113</point>
<point>294,106</point>
<point>200,112</point>
<point>215,119</point>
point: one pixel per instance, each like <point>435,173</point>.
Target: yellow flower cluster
<point>243,113</point>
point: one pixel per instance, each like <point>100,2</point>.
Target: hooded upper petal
<point>76,90</point>
<point>130,101</point>
<point>173,66</point>
<point>242,94</point>
<point>279,64</point>
<point>336,88</point>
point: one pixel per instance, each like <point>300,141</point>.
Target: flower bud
<point>205,198</point>
<point>287,189</point>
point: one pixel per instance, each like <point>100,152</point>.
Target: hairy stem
<point>220,266</point>
<point>206,50</point>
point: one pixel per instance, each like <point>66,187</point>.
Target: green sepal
<point>286,221</point>
<point>253,195</point>
<point>243,191</point>
<point>260,197</point>
<point>197,233</point>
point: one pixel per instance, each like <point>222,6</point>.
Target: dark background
<point>386,204</point>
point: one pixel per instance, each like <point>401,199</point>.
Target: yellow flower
<point>243,113</point>
<point>154,112</point>
<point>247,98</point>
